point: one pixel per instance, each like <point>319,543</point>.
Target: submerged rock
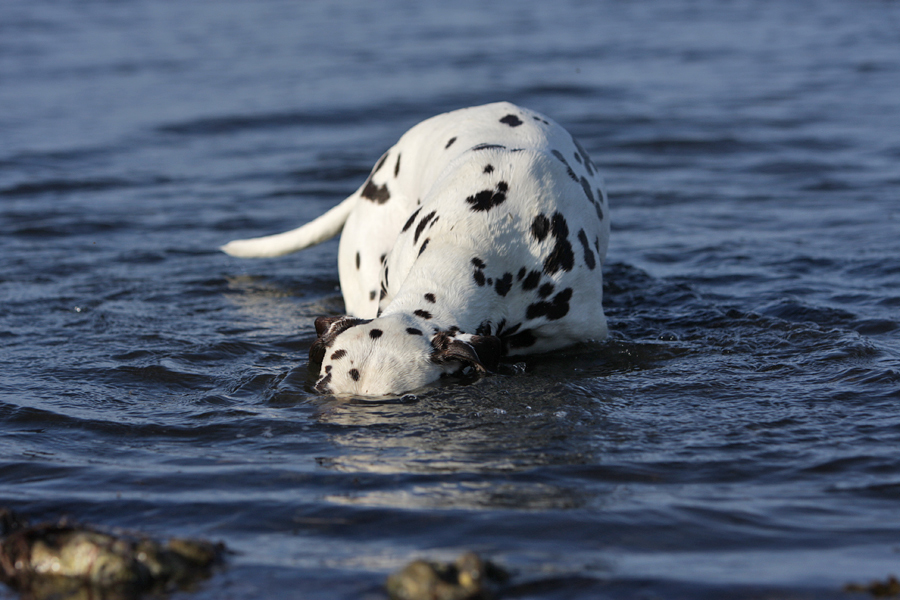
<point>879,589</point>
<point>68,560</point>
<point>469,577</point>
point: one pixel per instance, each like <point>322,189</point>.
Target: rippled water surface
<point>739,434</point>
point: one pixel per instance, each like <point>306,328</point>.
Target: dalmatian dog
<point>480,234</point>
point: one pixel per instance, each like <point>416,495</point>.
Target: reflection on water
<point>470,496</point>
<point>443,440</point>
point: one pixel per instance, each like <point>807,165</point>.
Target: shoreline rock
<point>64,559</point>
<point>469,577</point>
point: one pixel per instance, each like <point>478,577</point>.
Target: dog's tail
<point>315,232</point>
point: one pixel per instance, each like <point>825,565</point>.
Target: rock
<point>59,559</point>
<point>469,577</point>
<point>879,589</point>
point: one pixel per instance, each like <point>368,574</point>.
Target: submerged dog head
<point>390,355</point>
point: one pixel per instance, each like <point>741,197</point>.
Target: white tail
<point>315,232</point>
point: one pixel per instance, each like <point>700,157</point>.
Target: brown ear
<point>316,356</point>
<point>328,328</point>
<point>324,323</point>
<point>482,352</point>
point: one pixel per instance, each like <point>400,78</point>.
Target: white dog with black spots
<point>480,234</point>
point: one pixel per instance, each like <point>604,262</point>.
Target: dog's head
<point>390,355</point>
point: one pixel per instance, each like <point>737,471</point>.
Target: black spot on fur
<point>421,226</point>
<point>521,274</point>
<point>430,297</point>
<point>553,310</point>
<point>523,339</point>
<point>422,313</point>
<point>504,284</point>
<point>488,199</point>
<point>372,294</point>
<point>397,166</point>
<point>478,274</point>
<point>424,245</point>
<point>378,194</point>
<point>599,210</point>
<point>338,354</point>
<point>489,169</point>
<point>588,164</point>
<point>354,374</point>
<point>383,294</point>
<point>532,281</point>
<point>577,158</point>
<point>372,191</point>
<point>357,260</point>
<point>450,143</point>
<point>375,334</point>
<point>563,160</point>
<point>587,189</point>
<point>545,290</point>
<point>328,368</point>
<point>410,221</point>
<point>383,258</point>
<point>540,227</point>
<point>511,120</point>
<point>588,253</point>
<point>490,281</point>
<point>561,257</point>
<point>413,331</point>
<point>487,147</point>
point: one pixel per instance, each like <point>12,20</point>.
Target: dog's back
<point>408,175</point>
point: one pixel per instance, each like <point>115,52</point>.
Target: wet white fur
<point>434,177</point>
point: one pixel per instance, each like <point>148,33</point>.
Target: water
<point>738,435</point>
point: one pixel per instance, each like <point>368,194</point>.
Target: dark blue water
<point>739,435</point>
